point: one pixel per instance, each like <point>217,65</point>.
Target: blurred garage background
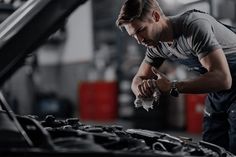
<point>85,70</point>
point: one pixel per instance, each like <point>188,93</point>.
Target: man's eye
<point>137,32</point>
<point>140,30</point>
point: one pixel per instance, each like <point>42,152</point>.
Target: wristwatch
<point>174,90</point>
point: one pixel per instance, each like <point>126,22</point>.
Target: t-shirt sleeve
<point>201,37</point>
<point>153,59</point>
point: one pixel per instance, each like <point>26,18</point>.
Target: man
<point>198,41</point>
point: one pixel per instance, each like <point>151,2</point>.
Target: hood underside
<point>27,28</point>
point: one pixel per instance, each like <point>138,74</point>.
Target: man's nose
<point>138,38</point>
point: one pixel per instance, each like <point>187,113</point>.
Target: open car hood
<point>27,28</point>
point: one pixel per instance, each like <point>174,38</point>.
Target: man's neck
<point>167,33</point>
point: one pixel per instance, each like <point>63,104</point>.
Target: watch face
<point>174,92</point>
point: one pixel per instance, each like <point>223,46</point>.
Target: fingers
<point>151,85</point>
<point>143,90</point>
<point>154,84</point>
<point>158,74</point>
<point>140,91</point>
<point>146,88</point>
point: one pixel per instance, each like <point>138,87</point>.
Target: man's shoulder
<point>182,22</point>
<point>195,15</point>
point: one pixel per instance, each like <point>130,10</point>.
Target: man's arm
<point>217,78</point>
<point>144,73</point>
<point>203,41</point>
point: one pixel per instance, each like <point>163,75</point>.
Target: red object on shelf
<point>195,111</point>
<point>98,101</point>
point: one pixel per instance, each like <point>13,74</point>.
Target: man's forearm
<point>209,82</point>
<point>136,81</point>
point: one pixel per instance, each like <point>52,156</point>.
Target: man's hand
<point>143,84</point>
<point>148,86</point>
<point>162,83</point>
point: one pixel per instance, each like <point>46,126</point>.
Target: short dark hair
<point>136,9</point>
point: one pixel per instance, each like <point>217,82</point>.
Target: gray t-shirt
<point>195,35</point>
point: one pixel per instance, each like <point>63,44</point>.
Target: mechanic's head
<point>143,20</point>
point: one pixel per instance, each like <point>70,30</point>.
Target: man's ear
<point>156,16</point>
